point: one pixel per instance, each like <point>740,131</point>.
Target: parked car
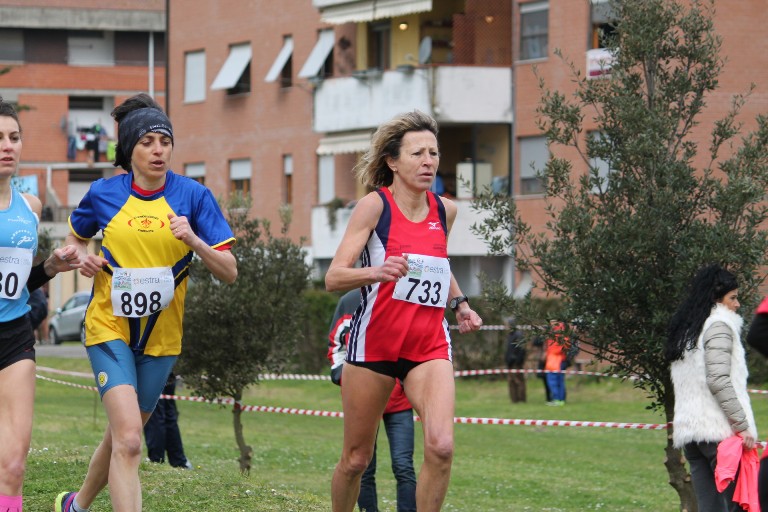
<point>67,322</point>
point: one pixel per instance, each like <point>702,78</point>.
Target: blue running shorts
<point>114,364</point>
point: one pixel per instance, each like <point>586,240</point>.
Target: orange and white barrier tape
<point>560,423</point>
<point>460,419</point>
<point>457,374</point>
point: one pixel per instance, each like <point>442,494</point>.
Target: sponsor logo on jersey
<point>146,223</point>
<point>434,225</point>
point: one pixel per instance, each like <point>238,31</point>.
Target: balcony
<point>451,94</point>
<point>469,254</point>
<point>462,242</point>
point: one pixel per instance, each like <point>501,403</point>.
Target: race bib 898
<point>138,292</point>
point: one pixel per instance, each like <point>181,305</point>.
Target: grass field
<point>496,467</point>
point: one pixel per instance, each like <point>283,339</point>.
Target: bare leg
<point>17,397</point>
<point>430,388</point>
<point>364,395</point>
<point>118,456</point>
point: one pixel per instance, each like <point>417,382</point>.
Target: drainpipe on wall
<point>151,65</point>
<point>512,132</point>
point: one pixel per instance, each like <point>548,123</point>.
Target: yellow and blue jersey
<point>136,234</point>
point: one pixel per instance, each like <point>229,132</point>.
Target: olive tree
<point>619,250</point>
<point>233,333</point>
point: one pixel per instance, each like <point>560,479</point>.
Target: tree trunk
<point>679,477</point>
<point>246,452</point>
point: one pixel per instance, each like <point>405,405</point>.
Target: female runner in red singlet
<point>399,330</point>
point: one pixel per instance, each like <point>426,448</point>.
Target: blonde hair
<point>372,169</point>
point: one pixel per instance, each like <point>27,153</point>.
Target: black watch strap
<point>456,301</point>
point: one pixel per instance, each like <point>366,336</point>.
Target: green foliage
<point>234,332</point>
<point>311,354</point>
<point>620,250</point>
<point>44,244</point>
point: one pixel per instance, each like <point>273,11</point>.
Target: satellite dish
<point>425,50</point>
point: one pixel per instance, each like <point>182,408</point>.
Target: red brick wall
<point>740,25</point>
<point>263,125</point>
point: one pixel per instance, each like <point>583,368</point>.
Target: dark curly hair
<point>710,285</point>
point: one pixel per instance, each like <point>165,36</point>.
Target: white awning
<point>232,70</point>
<point>358,142</point>
<point>282,58</point>
<point>323,47</point>
<point>240,169</point>
<point>196,170</point>
<point>340,11</point>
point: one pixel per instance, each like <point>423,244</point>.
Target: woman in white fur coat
<point>709,375</point>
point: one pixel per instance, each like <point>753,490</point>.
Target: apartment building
<point>65,64</point>
<point>573,27</point>
<point>276,100</point>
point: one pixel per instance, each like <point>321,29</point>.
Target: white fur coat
<point>698,415</point>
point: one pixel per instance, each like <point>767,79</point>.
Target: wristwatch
<point>458,300</point>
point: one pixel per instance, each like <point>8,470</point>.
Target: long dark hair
<point>710,285</point>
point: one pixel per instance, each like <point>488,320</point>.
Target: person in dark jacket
<point>757,338</point>
<point>515,359</point>
<point>161,432</point>
<point>38,304</point>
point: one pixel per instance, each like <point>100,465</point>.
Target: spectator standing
<point>38,312</point>
<point>555,349</point>
<point>515,356</point>
<point>757,338</point>
<point>161,431</point>
<point>708,368</point>
<point>398,418</point>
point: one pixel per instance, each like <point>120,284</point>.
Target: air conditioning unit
<point>471,178</point>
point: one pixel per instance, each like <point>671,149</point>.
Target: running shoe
<point>64,502</point>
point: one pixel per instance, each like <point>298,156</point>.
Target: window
<point>235,74</point>
<point>602,166</point>
<point>194,76</point>
<point>326,171</point>
<point>603,18</point>
<point>378,44</point>
<point>533,157</point>
<point>89,118</point>
<point>11,44</point>
<point>287,179</point>
<point>195,171</point>
<point>91,47</point>
<point>283,65</point>
<point>320,60</point>
<point>534,30</point>
<point>240,178</point>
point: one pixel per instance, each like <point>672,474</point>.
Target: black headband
<point>134,126</point>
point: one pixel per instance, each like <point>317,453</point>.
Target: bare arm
<point>89,264</point>
<point>466,317</point>
<point>342,274</point>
